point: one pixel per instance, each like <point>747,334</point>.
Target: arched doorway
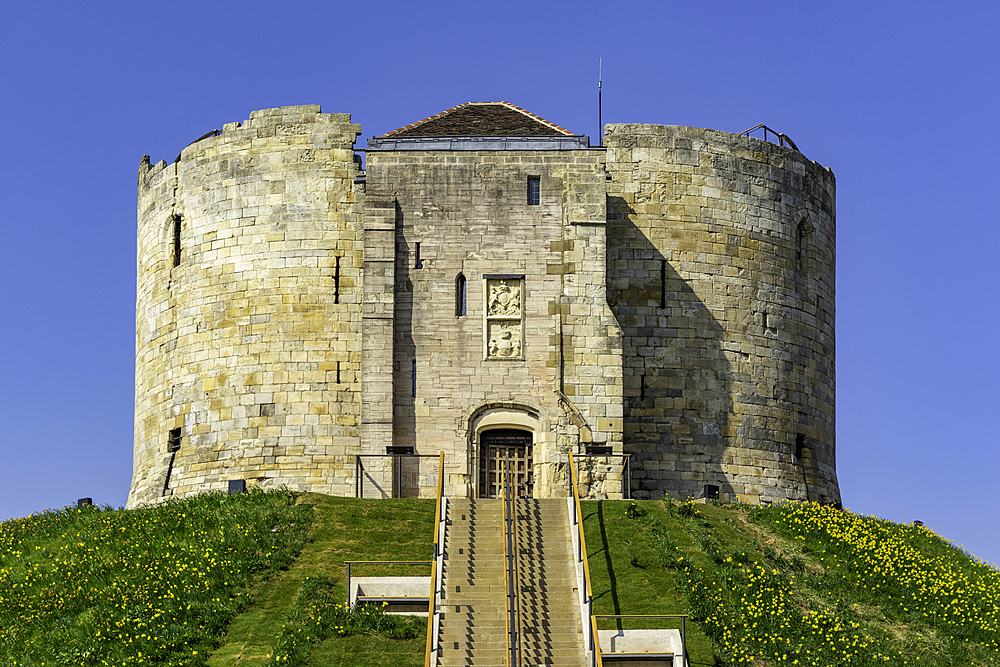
<point>497,444</point>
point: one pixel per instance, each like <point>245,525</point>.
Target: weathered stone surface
<point>670,297</point>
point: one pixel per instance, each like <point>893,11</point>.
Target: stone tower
<point>491,283</point>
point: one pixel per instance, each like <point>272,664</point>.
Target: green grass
<point>213,579</point>
<point>627,577</point>
<point>794,585</point>
<point>258,579</point>
<point>343,529</point>
<point>149,586</point>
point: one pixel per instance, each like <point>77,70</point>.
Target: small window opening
<point>642,386</point>
<point>336,282</point>
<point>800,442</point>
<point>534,190</point>
<point>418,264</point>
<point>460,289</point>
<point>413,389</point>
<point>769,327</point>
<point>399,451</point>
<point>663,283</point>
<point>174,440</point>
<point>801,243</point>
<point>338,372</point>
<point>598,450</point>
<point>177,239</point>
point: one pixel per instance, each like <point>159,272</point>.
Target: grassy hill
<point>795,585</point>
<point>258,579</point>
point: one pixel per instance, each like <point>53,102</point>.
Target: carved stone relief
<point>504,339</point>
<point>504,318</point>
<point>504,298</point>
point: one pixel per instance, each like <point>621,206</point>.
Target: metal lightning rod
<point>600,124</point>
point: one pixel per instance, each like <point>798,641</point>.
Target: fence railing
<point>391,479</point>
<point>597,641</point>
<point>580,547</point>
<point>433,608</point>
<point>783,139</point>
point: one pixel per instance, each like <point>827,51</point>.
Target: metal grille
<point>494,447</point>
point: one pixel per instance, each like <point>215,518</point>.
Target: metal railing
<point>586,594</point>
<point>783,139</point>
<point>512,617</point>
<point>433,611</point>
<point>598,660</point>
<point>625,474</point>
<point>396,476</point>
<point>597,641</point>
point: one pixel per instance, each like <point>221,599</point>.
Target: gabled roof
<point>482,119</point>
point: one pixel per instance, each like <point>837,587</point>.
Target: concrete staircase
<point>551,631</point>
<point>473,610</point>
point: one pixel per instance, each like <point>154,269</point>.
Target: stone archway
<point>496,430</point>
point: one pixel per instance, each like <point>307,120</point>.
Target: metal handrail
<point>683,618</point>
<point>506,578</point>
<point>598,660</point>
<point>782,138</point>
<point>514,556</point>
<point>432,606</point>
<point>511,617</point>
<point>581,543</point>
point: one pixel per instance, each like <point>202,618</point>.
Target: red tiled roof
<point>481,119</point>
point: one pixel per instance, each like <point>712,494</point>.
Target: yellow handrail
<point>597,643</point>
<point>437,533</point>
<point>517,580</point>
<point>579,518</point>
<point>506,585</point>
<point>437,509</point>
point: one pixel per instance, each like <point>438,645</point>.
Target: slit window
<point>176,225</point>
<point>174,440</point>
<point>413,373</point>
<point>336,281</point>
<point>418,263</point>
<point>802,244</point>
<point>534,190</point>
<point>800,442</point>
<point>663,283</point>
<point>460,295</point>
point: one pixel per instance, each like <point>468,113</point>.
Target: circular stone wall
<point>247,309</point>
<point>721,274</point>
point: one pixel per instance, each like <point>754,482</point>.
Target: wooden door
<point>494,447</point>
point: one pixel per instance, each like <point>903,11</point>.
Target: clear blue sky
<point>900,99</point>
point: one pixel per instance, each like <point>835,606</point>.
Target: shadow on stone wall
<point>404,366</point>
<point>677,391</point>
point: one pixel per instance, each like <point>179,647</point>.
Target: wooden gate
<point>496,445</point>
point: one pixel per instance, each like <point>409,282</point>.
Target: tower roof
<point>481,119</point>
